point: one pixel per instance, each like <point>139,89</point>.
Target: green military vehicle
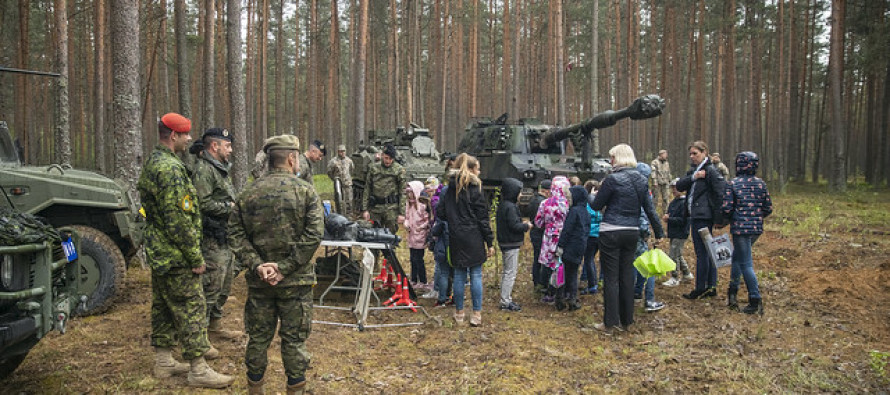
<point>415,151</point>
<point>96,207</point>
<point>41,286</point>
<point>531,151</point>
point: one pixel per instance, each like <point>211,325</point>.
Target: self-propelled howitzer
<point>531,151</point>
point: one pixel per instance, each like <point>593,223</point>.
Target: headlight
<point>529,174</point>
<point>13,273</point>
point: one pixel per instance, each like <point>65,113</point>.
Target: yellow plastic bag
<point>654,263</point>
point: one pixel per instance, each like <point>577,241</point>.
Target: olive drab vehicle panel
<point>531,151</point>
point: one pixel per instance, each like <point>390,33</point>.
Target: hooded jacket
<point>469,228</point>
<point>536,234</point>
<point>573,239</point>
<point>510,228</point>
<point>746,201</point>
<point>707,192</point>
<point>417,217</point>
<point>551,216</point>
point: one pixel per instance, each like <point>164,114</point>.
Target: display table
<point>361,304</point>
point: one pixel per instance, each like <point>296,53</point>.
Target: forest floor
<point>823,268</point>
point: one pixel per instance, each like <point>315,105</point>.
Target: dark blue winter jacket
<point>575,230</point>
<point>678,224</point>
<point>746,201</point>
<point>510,228</point>
<point>623,193</point>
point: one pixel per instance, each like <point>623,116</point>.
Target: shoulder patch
<point>187,204</point>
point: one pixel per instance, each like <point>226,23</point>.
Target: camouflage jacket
<point>278,218</point>
<point>173,220</point>
<point>214,186</point>
<point>661,172</point>
<point>382,183</point>
<point>722,169</point>
<point>342,169</point>
<point>306,169</point>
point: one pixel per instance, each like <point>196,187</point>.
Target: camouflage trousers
<point>387,215</point>
<point>178,312</point>
<point>662,195</point>
<point>217,280</point>
<point>264,308</point>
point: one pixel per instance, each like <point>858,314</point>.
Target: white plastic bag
<point>719,248</point>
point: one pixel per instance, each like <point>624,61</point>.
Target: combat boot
<point>202,375</point>
<point>732,299</point>
<point>296,389</point>
<point>255,387</point>
<point>216,329</point>
<point>166,366</point>
<point>755,305</point>
<point>212,353</point>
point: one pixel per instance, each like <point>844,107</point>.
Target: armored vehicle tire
<point>9,364</point>
<point>102,270</point>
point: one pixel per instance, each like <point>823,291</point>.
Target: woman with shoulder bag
<point>704,187</point>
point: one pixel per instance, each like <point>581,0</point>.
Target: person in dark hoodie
<point>536,235</point>
<point>572,245</point>
<point>511,234</point>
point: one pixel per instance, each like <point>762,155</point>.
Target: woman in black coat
<point>465,208</point>
<point>704,187</point>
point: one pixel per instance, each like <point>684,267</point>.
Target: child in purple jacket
<point>746,200</point>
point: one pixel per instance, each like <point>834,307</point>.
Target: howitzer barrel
<point>645,107</point>
<point>32,72</point>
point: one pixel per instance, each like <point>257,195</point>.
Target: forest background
<point>802,82</point>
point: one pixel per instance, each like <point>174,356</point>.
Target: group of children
<point>564,233</point>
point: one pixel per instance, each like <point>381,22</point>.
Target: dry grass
<point>825,311</point>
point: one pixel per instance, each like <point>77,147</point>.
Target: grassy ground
<point>823,270</point>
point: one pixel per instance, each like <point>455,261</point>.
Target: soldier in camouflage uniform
<point>661,179</point>
<point>340,168</point>
<point>216,195</point>
<point>173,251</point>
<point>381,198</point>
<point>279,270</point>
<point>314,154</point>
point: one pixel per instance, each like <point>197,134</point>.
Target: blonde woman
<point>465,208</point>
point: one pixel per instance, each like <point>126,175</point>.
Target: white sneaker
<point>431,294</point>
<point>672,282</point>
<point>688,276</point>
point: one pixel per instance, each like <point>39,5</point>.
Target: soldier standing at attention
<point>661,179</point>
<point>216,194</point>
<point>384,183</point>
<point>314,154</point>
<point>280,273</point>
<point>172,248</point>
<point>340,168</point>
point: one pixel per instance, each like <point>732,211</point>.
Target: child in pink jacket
<point>417,226</point>
<point>551,217</point>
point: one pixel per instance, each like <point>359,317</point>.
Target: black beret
<point>389,151</point>
<point>218,133</point>
<point>320,146</point>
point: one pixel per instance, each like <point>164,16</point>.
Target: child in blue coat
<point>571,246</point>
<point>746,200</point>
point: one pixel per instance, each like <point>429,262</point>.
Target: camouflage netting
<point>21,228</point>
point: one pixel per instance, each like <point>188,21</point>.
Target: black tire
<point>102,273</point>
<point>9,364</point>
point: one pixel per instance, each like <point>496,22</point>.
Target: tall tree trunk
<point>838,177</point>
<point>795,167</point>
<point>474,59</point>
<point>22,84</point>
<point>182,65</point>
<point>262,85</point>
<point>279,69</point>
<point>208,118</point>
<point>514,107</point>
<point>560,65</point>
<point>884,173</point>
<point>359,93</point>
<point>336,129</point>
<point>394,68</point>
<point>313,60</point>
<point>62,115</point>
<point>99,88</point>
<point>125,107</point>
<point>594,73</point>
<point>238,123</point>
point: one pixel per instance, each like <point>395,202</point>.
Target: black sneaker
<point>701,293</point>
<point>512,306</point>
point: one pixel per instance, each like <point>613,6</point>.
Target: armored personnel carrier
<point>531,151</point>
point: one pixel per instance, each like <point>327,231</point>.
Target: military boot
<point>755,305</point>
<point>296,389</point>
<point>255,387</point>
<point>202,375</point>
<point>166,366</point>
<point>732,299</point>
<point>216,329</point>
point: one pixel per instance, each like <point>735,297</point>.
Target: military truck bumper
<point>15,331</point>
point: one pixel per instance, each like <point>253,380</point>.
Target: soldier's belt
<point>391,199</point>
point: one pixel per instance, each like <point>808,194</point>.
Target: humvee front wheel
<point>102,270</point>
